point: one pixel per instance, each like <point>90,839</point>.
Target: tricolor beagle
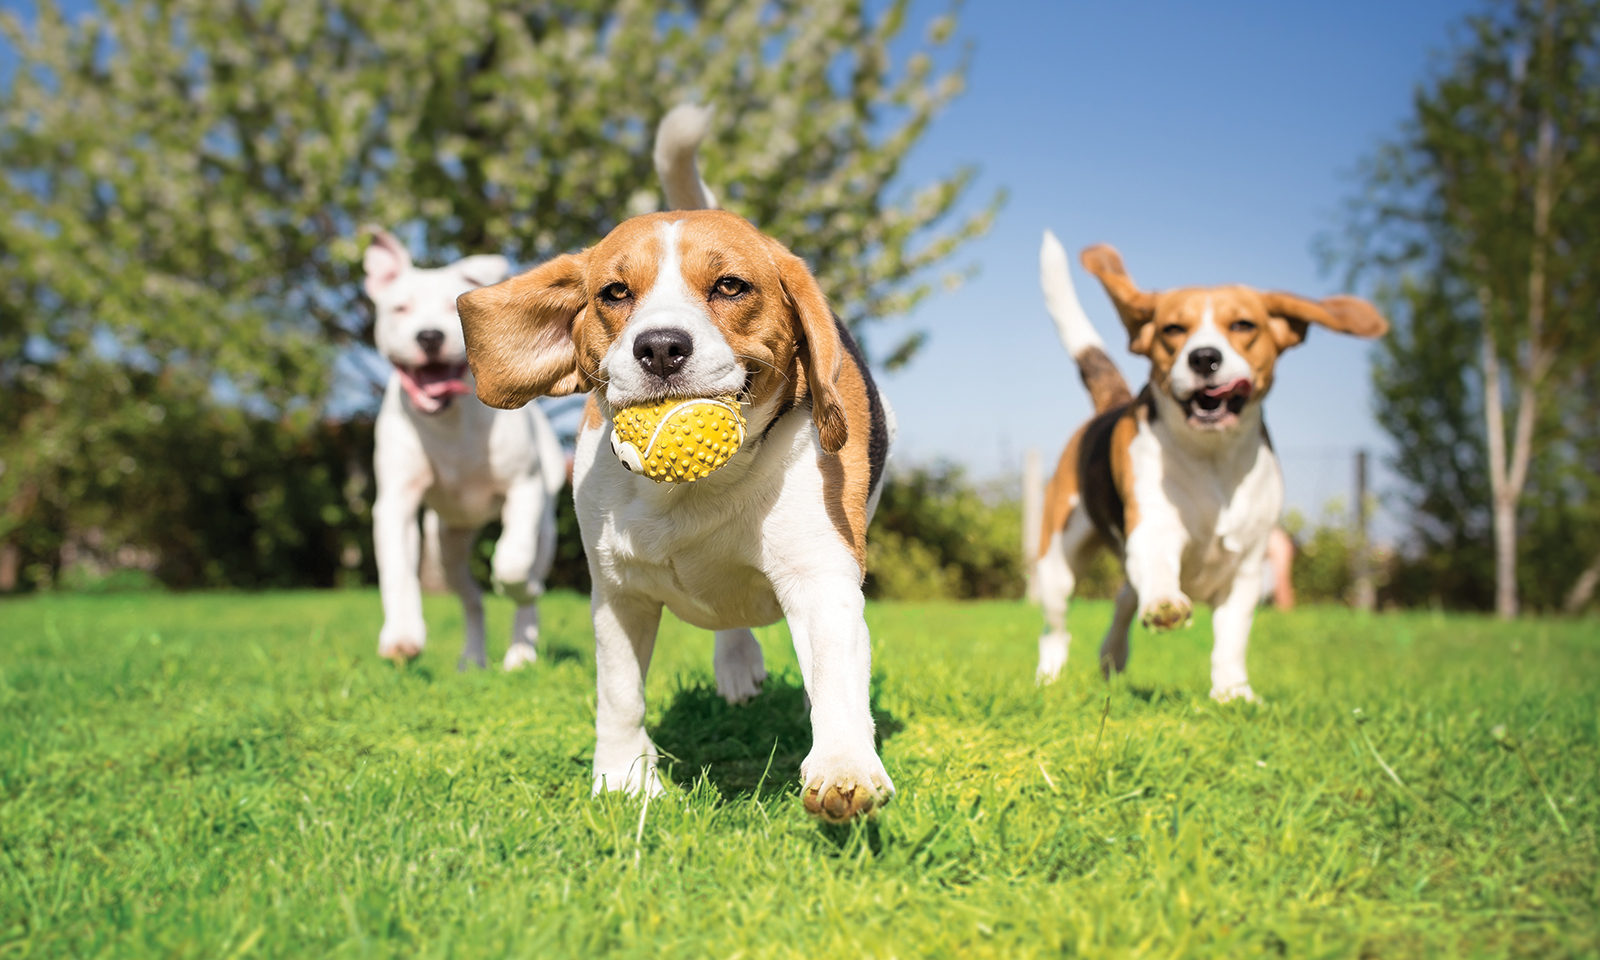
<point>700,304</point>
<point>1181,480</point>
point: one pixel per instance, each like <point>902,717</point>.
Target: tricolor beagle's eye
<point>729,287</point>
<point>615,292</point>
<point>1243,326</point>
<point>1174,330</point>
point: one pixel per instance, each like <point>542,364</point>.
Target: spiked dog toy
<point>678,441</point>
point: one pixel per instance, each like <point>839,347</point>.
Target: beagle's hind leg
<point>1055,577</point>
<point>1114,648</point>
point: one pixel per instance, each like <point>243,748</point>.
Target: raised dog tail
<point>1107,388</point>
<point>677,140</point>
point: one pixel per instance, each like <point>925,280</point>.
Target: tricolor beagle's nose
<point>430,341</point>
<point>1205,360</point>
<point>663,352</point>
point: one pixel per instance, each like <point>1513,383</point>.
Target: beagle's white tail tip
<point>677,141</point>
<point>1061,299</point>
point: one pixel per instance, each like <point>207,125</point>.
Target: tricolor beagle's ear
<point>385,259</point>
<point>1291,317</point>
<point>519,333</point>
<point>822,351</point>
<point>1136,307</point>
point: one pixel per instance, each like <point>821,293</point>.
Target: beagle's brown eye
<point>730,287</point>
<point>1174,330</point>
<point>615,292</point>
<point>1243,326</point>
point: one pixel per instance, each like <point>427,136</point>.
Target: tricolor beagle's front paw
<point>627,764</point>
<point>842,786</point>
<point>1167,613</point>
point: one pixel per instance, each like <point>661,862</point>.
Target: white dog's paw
<point>1052,657</point>
<point>1236,691</point>
<point>518,655</point>
<point>628,764</point>
<point>740,668</point>
<point>401,646</point>
<point>844,784</point>
<point>1167,613</point>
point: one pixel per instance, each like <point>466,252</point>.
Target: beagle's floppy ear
<point>1136,307</point>
<point>1291,316</point>
<point>823,350</point>
<point>519,333</point>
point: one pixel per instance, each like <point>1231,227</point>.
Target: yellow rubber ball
<point>678,441</point>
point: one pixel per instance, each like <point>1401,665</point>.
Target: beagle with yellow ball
<point>1180,481</point>
<point>770,523</point>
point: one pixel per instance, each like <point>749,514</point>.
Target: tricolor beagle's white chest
<point>1210,508</point>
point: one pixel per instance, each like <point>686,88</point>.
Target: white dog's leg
<point>1154,558</point>
<point>624,638</point>
<point>1230,625</point>
<point>397,542</point>
<point>524,647</point>
<point>455,555</point>
<point>843,774</point>
<point>740,667</point>
<point>1114,648</point>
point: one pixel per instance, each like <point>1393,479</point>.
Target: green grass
<point>239,775</point>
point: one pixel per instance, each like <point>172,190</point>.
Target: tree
<point>1480,223</point>
<point>185,179</point>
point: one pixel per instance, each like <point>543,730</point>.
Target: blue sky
<point>1211,143</point>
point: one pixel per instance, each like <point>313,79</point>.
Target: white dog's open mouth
<point>1219,406</point>
<point>432,386</point>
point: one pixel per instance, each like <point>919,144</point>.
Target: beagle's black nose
<point>430,341</point>
<point>663,352</point>
<point>1205,360</point>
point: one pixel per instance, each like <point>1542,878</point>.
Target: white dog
<point>439,446</point>
<point>1180,482</point>
<point>700,304</point>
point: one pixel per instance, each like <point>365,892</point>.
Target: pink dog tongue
<point>1241,387</point>
<point>429,386</point>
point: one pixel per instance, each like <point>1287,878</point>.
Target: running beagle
<point>1180,481</point>
<point>700,304</point>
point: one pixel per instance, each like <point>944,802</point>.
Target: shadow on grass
<point>752,749</point>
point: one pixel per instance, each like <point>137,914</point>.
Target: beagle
<point>1180,481</point>
<point>690,304</point>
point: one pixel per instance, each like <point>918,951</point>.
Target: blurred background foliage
<point>183,347</point>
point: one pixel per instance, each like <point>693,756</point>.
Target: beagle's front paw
<point>1167,613</point>
<point>844,785</point>
<point>627,764</point>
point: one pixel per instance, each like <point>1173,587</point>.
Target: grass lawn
<point>239,775</point>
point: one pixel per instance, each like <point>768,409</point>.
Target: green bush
<point>939,535</point>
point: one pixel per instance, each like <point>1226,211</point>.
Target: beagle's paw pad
<point>841,797</point>
<point>1167,614</point>
<point>518,656</point>
<point>402,652</point>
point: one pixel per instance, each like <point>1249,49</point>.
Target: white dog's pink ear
<point>385,260</point>
<point>519,333</point>
<point>484,269</point>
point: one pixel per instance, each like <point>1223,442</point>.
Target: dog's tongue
<point>1241,387</point>
<point>429,386</point>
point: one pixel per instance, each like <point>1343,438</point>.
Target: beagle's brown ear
<point>1136,307</point>
<point>519,333</point>
<point>822,350</point>
<point>1291,317</point>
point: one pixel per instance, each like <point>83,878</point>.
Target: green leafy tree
<point>185,181</point>
<point>1480,223</point>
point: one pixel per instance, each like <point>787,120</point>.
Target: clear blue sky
<point>1211,143</point>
